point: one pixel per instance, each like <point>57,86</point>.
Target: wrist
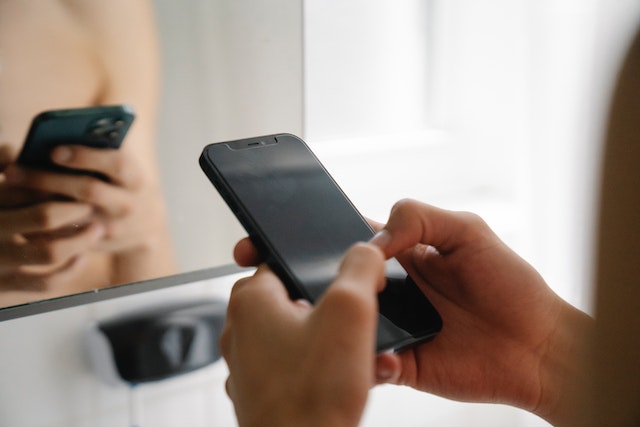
<point>288,416</point>
<point>307,407</point>
<point>564,374</point>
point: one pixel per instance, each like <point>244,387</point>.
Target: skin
<point>507,338</point>
<point>323,376</point>
<point>65,233</point>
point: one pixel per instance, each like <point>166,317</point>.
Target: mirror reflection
<point>64,233</point>
<point>61,232</point>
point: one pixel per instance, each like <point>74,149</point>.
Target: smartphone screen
<point>302,222</point>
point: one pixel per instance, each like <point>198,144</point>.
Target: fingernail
<point>382,239</point>
<point>62,154</point>
<point>303,303</point>
<point>384,374</point>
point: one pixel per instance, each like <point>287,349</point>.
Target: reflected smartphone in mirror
<point>97,127</point>
<point>302,223</point>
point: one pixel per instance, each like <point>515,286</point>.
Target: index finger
<point>43,217</point>
<point>112,199</point>
<point>114,164</point>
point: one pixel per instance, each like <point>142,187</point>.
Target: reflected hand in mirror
<point>64,233</point>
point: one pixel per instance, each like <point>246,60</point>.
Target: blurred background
<point>495,106</point>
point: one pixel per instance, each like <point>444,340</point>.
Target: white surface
<point>44,362</point>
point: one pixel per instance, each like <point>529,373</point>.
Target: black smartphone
<point>98,127</point>
<point>302,223</point>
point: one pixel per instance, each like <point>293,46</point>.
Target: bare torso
<point>48,60</point>
<point>74,53</point>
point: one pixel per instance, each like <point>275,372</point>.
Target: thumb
<point>411,223</point>
<point>349,306</point>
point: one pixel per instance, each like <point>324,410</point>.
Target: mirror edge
<point>102,294</point>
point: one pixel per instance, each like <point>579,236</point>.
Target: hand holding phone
<point>97,127</point>
<point>278,350</point>
<point>42,238</point>
<point>120,194</point>
<point>508,338</point>
<point>302,223</point>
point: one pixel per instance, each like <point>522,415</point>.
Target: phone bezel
<point>272,257</point>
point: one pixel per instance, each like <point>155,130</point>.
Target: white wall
<point>232,69</point>
<point>518,98</point>
<point>573,66</point>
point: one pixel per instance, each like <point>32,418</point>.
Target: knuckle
<point>125,174</point>
<point>236,306</point>
<point>127,209</point>
<point>367,252</point>
<point>112,230</point>
<point>119,166</point>
<point>406,208</point>
<point>244,298</point>
<point>404,205</point>
<point>346,299</point>
<point>92,191</point>
<point>352,309</point>
<point>473,221</point>
<point>364,261</point>
<point>42,218</point>
<point>476,229</point>
<point>471,218</point>
<point>225,341</point>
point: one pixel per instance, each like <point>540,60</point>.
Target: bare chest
<point>47,60</point>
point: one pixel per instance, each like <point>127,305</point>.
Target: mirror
<point>218,82</point>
